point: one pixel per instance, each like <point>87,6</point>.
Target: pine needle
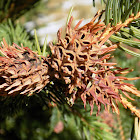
<point>37,42</point>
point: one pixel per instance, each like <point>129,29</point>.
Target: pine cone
<point>22,71</point>
<point>81,61</point>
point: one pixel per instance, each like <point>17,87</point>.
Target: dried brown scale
<point>81,60</point>
<point>21,71</point>
<point>127,104</point>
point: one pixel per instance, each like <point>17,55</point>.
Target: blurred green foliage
<point>16,33</point>
<point>15,8</point>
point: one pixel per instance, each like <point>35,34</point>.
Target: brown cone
<point>81,60</point>
<point>22,71</point>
